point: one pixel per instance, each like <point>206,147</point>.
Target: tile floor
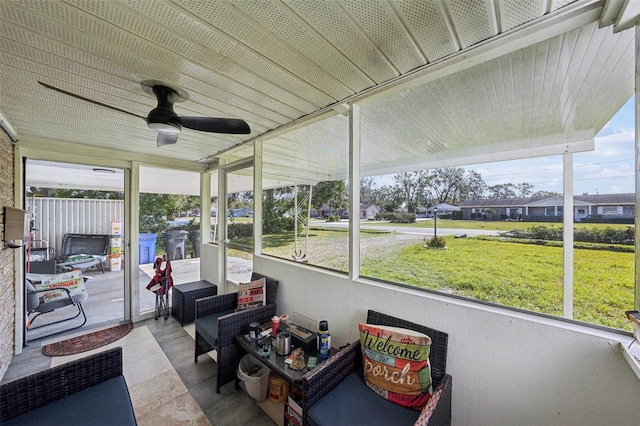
<point>167,387</point>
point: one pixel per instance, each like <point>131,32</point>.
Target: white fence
<point>54,217</point>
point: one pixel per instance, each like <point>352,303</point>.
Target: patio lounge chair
<point>38,303</point>
<point>335,393</point>
<point>218,324</point>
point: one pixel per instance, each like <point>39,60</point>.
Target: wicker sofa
<point>218,324</point>
<point>90,390</point>
<point>335,393</point>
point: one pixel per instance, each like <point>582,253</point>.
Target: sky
<point>609,169</point>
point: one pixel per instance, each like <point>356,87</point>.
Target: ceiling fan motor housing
<point>163,118</point>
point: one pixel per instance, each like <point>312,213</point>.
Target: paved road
<point>408,230</point>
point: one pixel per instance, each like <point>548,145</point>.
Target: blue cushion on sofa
<point>208,326</point>
<point>106,403</point>
<point>353,403</point>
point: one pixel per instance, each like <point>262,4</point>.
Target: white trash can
<point>255,377</point>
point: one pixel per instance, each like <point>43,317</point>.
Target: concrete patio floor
<point>105,304</point>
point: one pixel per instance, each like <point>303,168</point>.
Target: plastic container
<point>278,388</point>
<point>147,248</point>
<point>255,377</point>
<point>174,244</point>
<point>194,237</point>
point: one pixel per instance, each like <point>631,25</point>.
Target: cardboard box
<point>116,242</point>
<point>292,413</point>
<point>115,263</point>
<point>73,281</point>
<point>116,228</point>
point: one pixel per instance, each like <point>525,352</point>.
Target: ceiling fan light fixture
<point>165,127</point>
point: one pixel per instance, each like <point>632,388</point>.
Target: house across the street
<point>606,206</point>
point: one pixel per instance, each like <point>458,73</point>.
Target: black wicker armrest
<point>229,327</point>
<point>214,304</point>
<point>323,379</point>
<point>42,388</point>
<point>438,409</point>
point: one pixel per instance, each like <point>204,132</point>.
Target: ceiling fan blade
<point>90,100</point>
<point>232,126</point>
<point>167,139</point>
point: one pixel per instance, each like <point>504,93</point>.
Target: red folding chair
<point>160,284</point>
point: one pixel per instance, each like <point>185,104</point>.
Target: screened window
<point>306,201</point>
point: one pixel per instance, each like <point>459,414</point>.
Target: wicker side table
<point>184,297</point>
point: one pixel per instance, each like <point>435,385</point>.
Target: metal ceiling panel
<point>429,27</point>
<point>473,20</point>
<point>272,62</point>
<point>258,40</point>
<point>332,25</point>
<point>385,29</point>
<point>538,96</point>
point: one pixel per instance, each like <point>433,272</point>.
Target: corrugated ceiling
<point>505,74</point>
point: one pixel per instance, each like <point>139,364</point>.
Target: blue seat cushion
<point>106,403</point>
<point>353,403</point>
<point>207,326</point>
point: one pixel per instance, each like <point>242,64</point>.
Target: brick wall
<point>7,267</point>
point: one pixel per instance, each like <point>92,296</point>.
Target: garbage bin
<point>174,244</point>
<point>255,376</point>
<point>147,248</point>
<point>194,237</point>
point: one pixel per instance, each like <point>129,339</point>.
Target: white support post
<point>637,189</point>
<point>354,191</point>
<point>130,251</point>
<point>205,219</point>
<point>222,227</point>
<point>257,197</point>
<point>567,237</point>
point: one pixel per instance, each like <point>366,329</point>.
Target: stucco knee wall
<point>508,367</point>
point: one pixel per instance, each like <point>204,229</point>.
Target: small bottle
<point>275,325</point>
<point>324,340</point>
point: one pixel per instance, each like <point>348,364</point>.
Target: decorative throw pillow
<point>396,364</point>
<point>251,294</point>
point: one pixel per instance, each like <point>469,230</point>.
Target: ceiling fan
<point>166,122</point>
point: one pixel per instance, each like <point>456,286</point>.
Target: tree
<point>545,194</point>
<point>476,187</point>
<point>490,213</point>
<point>332,193</point>
<point>78,193</point>
<point>155,209</point>
<point>367,188</point>
<point>411,185</point>
<point>448,185</point>
<point>272,213</point>
<point>387,197</point>
<point>524,189</point>
<point>502,190</point>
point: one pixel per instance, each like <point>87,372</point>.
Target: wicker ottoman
<point>183,299</point>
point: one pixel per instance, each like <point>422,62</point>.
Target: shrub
<point>333,218</point>
<point>436,242</point>
<point>601,236</point>
<point>239,230</point>
<point>403,218</point>
<point>384,216</point>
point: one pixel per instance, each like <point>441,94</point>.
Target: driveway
<point>407,230</point>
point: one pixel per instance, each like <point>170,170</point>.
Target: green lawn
<point>526,276</point>
<point>516,275</point>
